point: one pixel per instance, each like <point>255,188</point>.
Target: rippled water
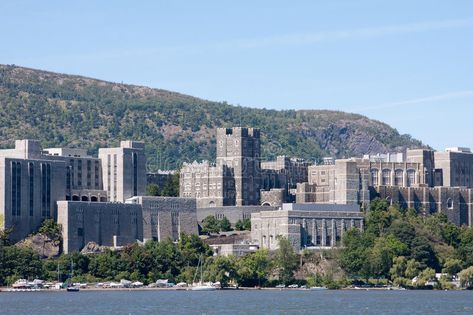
<point>238,302</point>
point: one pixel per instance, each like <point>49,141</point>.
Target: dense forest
<point>66,110</point>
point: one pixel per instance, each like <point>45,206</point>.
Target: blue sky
<point>407,63</point>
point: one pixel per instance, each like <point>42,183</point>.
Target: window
<point>398,177</point>
<point>31,182</point>
<point>16,188</point>
<point>411,176</point>
<point>386,177</point>
<point>450,203</point>
<point>374,177</point>
<point>135,173</point>
<point>80,232</point>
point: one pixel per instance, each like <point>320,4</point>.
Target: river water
<point>238,302</point>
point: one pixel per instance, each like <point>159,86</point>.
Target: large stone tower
<point>239,149</point>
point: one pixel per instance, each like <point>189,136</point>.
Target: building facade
<point>304,225</point>
<point>235,178</point>
<point>166,217</point>
<point>124,170</point>
<point>107,224</point>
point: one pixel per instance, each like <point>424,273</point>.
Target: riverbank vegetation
<point>398,247</point>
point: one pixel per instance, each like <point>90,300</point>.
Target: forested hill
<point>66,110</point>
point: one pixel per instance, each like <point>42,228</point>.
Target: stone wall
<point>167,217</point>
<point>106,224</point>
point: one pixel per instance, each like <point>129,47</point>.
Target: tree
<point>225,225</point>
<point>210,225</point>
<point>51,229</point>
<point>398,271</point>
<point>452,266</point>
<point>171,187</point>
<point>243,225</point>
<point>422,251</point>
<point>285,260</point>
<point>152,190</point>
<point>355,252</point>
<point>412,269</point>
<point>253,269</point>
<point>383,253</point>
<point>220,269</point>
<point>466,277</point>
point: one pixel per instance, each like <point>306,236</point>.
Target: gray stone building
<point>107,224</point>
<point>281,176</point>
<point>304,225</point>
<point>235,179</point>
<point>426,180</point>
<point>30,185</point>
<point>124,170</point>
<point>232,213</point>
<point>83,174</point>
<point>166,217</point>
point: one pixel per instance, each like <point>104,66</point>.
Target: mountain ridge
<point>77,111</point>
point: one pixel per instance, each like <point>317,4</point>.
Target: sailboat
<point>201,286</point>
<point>70,286</point>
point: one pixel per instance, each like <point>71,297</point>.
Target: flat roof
<point>320,207</point>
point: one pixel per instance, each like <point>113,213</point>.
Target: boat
<point>70,287</point>
<point>318,288</point>
<point>201,286</point>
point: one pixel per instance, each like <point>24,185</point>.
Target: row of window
<point>16,176</point>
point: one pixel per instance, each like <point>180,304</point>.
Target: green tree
<point>355,252</point>
<point>243,225</point>
<point>51,229</point>
<point>152,190</point>
<point>381,257</point>
<point>452,266</point>
<point>225,225</point>
<point>220,269</point>
<point>210,225</point>
<point>171,187</point>
<point>466,277</point>
<point>422,251</point>
<point>253,269</point>
<point>412,269</point>
<point>285,260</point>
<point>398,271</point>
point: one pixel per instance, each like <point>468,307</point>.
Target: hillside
<point>66,110</point>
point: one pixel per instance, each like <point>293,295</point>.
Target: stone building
<point>235,179</point>
<point>421,179</point>
<point>30,185</point>
<point>83,174</point>
<point>107,224</point>
<point>304,225</point>
<point>232,213</point>
<point>124,170</point>
<point>166,217</point>
<point>32,180</point>
<point>283,174</point>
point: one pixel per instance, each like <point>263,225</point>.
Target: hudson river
<point>238,302</point>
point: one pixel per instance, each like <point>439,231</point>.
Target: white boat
<point>201,286</point>
<point>318,288</point>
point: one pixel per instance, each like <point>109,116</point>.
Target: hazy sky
<point>407,63</point>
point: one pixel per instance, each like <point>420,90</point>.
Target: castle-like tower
<point>239,149</point>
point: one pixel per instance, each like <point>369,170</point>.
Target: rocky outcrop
<point>44,246</point>
<point>93,248</point>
